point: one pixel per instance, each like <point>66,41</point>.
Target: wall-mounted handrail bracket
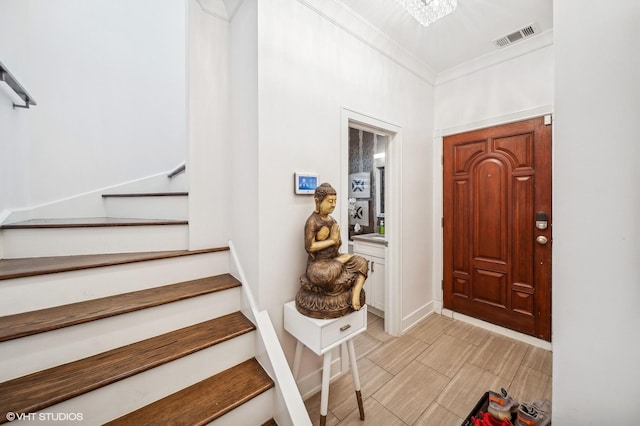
<point>25,106</point>
<point>11,81</point>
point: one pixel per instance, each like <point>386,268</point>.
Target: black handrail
<point>11,81</point>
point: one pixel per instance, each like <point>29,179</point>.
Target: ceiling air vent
<point>521,34</point>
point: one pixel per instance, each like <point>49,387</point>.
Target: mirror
<point>367,151</point>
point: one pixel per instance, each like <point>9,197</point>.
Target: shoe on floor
<point>536,413</point>
<point>486,419</point>
<point>501,405</point>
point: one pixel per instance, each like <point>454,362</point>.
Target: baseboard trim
<point>418,315</point>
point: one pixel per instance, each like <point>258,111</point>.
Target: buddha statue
<point>332,285</point>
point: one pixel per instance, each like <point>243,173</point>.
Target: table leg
<point>324,395</point>
<point>356,377</point>
<point>296,359</point>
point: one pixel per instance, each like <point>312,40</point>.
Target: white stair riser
<point>253,412</point>
<point>18,243</point>
<point>43,291</point>
<point>124,396</point>
<point>40,351</point>
<point>174,207</point>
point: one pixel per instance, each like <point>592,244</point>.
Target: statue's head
<point>323,191</point>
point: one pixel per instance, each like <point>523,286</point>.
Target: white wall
<point>596,273</point>
<point>507,87</point>
<point>208,163</point>
<point>109,78</point>
<point>243,181</point>
<point>512,89</point>
<point>309,69</point>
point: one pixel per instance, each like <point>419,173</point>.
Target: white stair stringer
<point>173,207</point>
<point>44,242</point>
<point>37,352</point>
<point>124,396</point>
<point>45,291</point>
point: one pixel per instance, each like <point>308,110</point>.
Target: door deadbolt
<point>541,239</point>
<point>542,221</point>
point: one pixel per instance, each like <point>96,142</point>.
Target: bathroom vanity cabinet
<point>372,248</point>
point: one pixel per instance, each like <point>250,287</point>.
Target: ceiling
<point>468,33</point>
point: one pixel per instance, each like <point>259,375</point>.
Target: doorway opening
<point>369,197</point>
<point>367,238</point>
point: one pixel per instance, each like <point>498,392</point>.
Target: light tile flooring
<point>433,375</point>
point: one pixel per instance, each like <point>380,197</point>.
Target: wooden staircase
<point>112,318</point>
<point>119,339</point>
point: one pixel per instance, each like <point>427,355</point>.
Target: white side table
<point>321,336</point>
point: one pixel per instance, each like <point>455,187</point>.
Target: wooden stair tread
<point>31,266</point>
<point>89,222</point>
<point>44,388</point>
<point>33,322</point>
<point>204,401</point>
<point>146,194</point>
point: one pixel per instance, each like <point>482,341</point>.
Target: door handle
<point>541,239</point>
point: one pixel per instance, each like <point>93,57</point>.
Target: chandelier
<point>428,11</point>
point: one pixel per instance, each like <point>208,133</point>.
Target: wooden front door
<point>497,265</point>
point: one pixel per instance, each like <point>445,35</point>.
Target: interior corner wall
<point>208,165</point>
<point>14,153</point>
<point>243,182</point>
<point>310,68</point>
<point>109,77</point>
<point>596,242</point>
<point>14,137</point>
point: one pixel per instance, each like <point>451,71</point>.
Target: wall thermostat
<point>305,183</point>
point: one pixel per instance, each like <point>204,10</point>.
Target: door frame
<point>393,168</point>
<point>438,212</point>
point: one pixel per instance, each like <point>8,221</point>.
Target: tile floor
<point>433,375</point>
